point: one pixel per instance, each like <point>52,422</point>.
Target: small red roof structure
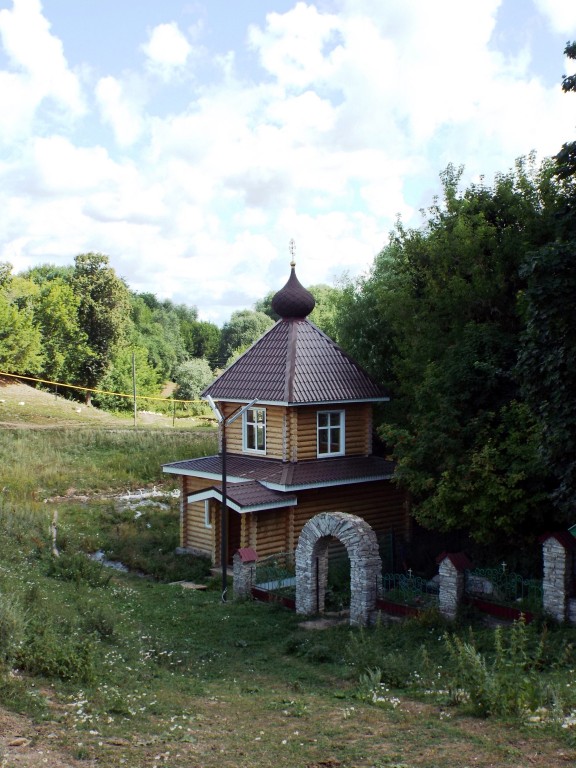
<point>565,538</point>
<point>458,559</point>
<point>247,554</point>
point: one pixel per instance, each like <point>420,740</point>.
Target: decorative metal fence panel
<point>276,574</point>
<point>406,589</point>
<point>496,585</point>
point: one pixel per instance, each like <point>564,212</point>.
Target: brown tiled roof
<point>295,363</point>
<point>247,497</point>
<point>287,476</point>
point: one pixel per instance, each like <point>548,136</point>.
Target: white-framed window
<point>330,433</point>
<point>254,437</point>
<point>207,520</point>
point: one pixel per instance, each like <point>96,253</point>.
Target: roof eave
<point>325,483</point>
<point>213,493</point>
<point>307,402</point>
<point>173,469</point>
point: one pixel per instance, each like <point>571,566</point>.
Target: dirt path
<point>24,745</point>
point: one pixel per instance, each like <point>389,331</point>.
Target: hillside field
<point>101,668</point>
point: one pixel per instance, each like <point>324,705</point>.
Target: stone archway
<point>312,564</point>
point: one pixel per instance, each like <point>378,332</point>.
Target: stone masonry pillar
<point>558,550</point>
<point>452,571</point>
<point>244,572</point>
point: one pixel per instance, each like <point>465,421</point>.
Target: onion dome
<point>293,301</point>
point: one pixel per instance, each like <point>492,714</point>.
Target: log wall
<point>272,535</point>
<point>380,503</point>
<point>291,432</point>
<point>194,534</point>
<point>276,440</point>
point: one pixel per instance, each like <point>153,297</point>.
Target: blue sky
<point>190,141</point>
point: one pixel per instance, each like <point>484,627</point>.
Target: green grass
<point>132,670</point>
<point>39,464</point>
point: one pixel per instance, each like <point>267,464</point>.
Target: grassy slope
<point>179,678</point>
<point>24,406</point>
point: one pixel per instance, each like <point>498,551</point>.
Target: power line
<point>99,391</point>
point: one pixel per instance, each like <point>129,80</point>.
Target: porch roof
<point>246,497</point>
<point>287,476</point>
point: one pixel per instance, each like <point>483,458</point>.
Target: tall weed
<point>366,652</point>
<point>508,684</point>
<point>78,568</point>
<point>13,622</point>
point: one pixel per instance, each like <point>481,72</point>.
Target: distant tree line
<point>83,326</point>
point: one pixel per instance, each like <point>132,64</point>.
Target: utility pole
<point>134,387</point>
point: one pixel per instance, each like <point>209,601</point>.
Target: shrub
<point>78,568</point>
<point>15,695</point>
<point>100,621</point>
<point>47,652</point>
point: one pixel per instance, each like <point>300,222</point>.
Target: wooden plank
<point>275,447</point>
<point>199,537</point>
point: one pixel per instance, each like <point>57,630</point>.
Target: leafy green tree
<point>265,306</point>
<point>103,314</point>
<point>119,379</point>
<point>5,274</point>
<point>244,328</point>
<point>159,333</point>
<point>202,339</point>
<point>547,364</point>
<point>44,273</point>
<point>20,338</point>
<point>20,342</point>
<point>438,320</point>
<point>64,343</point>
<point>326,309</point>
<point>192,376</point>
<point>168,330</point>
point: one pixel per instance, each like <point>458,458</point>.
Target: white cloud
<point>57,167</point>
<point>560,13</point>
<point>293,45</point>
<point>167,49</point>
<point>39,70</point>
<point>118,111</point>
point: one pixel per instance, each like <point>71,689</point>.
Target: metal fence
<point>407,589</point>
<point>497,585</point>
<point>277,574</point>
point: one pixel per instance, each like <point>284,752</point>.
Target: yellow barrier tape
<point>99,391</point>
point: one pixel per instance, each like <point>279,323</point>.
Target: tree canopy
<point>439,320</point>
<point>243,328</point>
<point>103,315</point>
